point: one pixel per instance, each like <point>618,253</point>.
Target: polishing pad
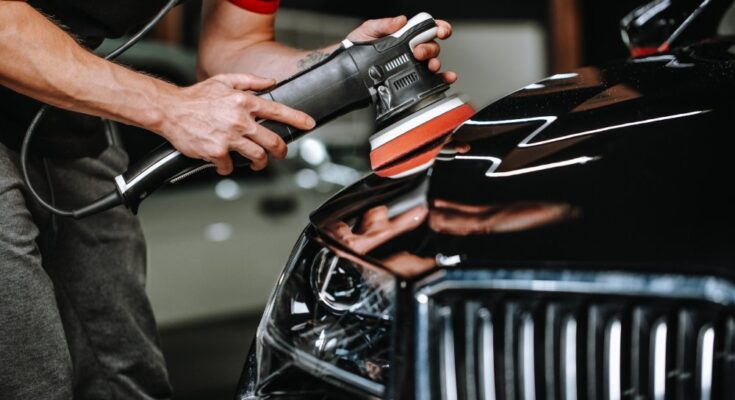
<point>410,145</point>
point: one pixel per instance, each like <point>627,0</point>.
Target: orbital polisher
<point>414,114</point>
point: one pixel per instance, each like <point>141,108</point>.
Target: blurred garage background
<point>216,245</point>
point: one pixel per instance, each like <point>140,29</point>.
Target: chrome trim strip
<point>707,352</point>
<point>712,289</point>
<point>487,355</point>
<point>569,359</point>
<point>614,348</point>
<point>659,360</point>
<point>448,369</point>
<point>528,362</point>
<point>151,169</point>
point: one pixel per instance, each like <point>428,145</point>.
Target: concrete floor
<point>205,359</point>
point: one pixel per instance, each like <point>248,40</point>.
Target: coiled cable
<point>112,198</point>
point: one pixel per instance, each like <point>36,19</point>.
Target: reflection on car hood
<point>622,165</point>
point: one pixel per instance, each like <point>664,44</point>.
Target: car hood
<point>620,166</point>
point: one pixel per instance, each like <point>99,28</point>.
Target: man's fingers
<point>449,76</point>
<point>426,51</point>
<point>340,230</point>
<point>270,141</point>
<point>252,151</point>
<point>223,165</point>
<point>435,65</point>
<point>410,219</point>
<point>374,217</point>
<point>445,29</point>
<point>245,81</point>
<point>273,111</point>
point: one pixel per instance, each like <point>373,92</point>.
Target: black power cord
<point>113,198</point>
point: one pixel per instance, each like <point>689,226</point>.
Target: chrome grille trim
<point>707,352</point>
<point>486,354</point>
<point>613,339</point>
<point>448,370</point>
<point>706,288</point>
<point>423,388</point>
<point>660,331</point>
<point>530,337</point>
<point>569,365</point>
<point>551,318</point>
<point>528,362</point>
<point>509,354</point>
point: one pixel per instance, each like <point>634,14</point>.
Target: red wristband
<point>258,6</point>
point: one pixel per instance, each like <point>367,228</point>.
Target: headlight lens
<point>329,316</point>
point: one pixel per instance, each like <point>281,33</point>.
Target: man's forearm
<point>234,40</point>
<point>275,60</point>
<point>207,120</point>
<point>40,60</point>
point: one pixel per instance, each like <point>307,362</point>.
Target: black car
<point>574,240</point>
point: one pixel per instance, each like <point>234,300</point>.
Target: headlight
<point>330,317</point>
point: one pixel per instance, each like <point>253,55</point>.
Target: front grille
<point>595,336</point>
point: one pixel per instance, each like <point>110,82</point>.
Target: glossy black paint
<point>672,23</point>
<point>648,142</point>
<point>625,167</point>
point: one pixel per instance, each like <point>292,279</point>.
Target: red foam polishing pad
<point>406,146</point>
<point>418,162</point>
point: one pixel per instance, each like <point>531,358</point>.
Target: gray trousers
<point>75,321</point>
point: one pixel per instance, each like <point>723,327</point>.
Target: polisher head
<point>410,145</point>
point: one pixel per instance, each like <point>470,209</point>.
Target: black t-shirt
<point>90,22</point>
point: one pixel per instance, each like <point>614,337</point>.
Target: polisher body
<point>383,73</point>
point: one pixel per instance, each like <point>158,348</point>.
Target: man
<point>74,318</point>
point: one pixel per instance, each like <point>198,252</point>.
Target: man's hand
<point>207,120</point>
<point>216,116</point>
<point>377,28</point>
<point>376,228</point>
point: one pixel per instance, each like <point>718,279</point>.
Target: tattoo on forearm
<point>311,59</point>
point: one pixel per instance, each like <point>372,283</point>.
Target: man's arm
<point>235,39</point>
<point>238,40</point>
<point>205,121</point>
<point>41,61</point>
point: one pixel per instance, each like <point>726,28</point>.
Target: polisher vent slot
<point>406,81</point>
<point>396,62</point>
